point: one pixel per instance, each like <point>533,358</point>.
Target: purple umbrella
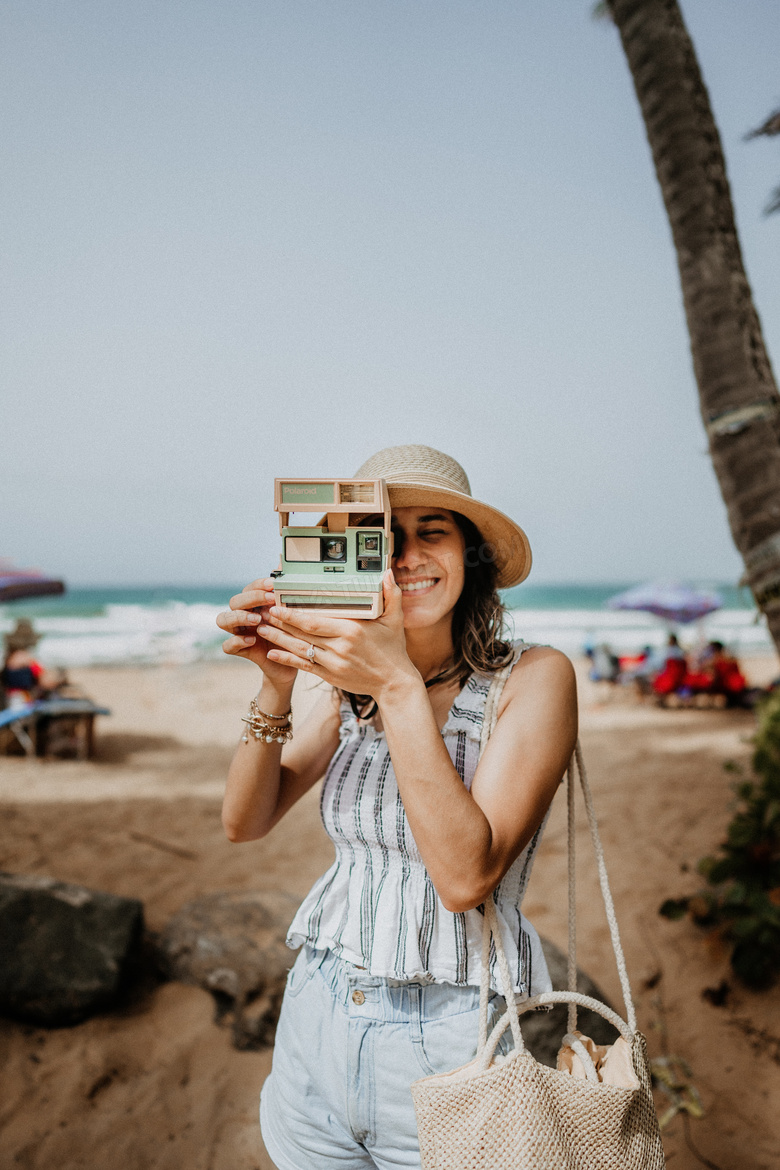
<point>668,600</point>
<point>18,583</point>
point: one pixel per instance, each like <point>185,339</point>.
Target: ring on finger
<point>310,653</point>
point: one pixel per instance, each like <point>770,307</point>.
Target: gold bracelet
<point>253,707</point>
<point>258,725</point>
<point>261,730</point>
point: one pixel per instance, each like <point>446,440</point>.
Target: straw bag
<point>594,1112</point>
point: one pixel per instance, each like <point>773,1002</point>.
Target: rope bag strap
<point>490,927</point>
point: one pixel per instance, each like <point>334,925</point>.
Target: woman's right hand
<point>247,610</point>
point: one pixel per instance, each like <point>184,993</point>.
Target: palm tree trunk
<point>738,394</point>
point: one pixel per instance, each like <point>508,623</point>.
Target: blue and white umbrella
<point>668,600</point>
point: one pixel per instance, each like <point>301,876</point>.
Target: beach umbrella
<point>21,583</point>
<point>668,600</point>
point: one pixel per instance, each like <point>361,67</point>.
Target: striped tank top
<point>376,906</point>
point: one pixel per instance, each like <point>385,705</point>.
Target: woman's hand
<point>364,657</point>
<point>247,610</point>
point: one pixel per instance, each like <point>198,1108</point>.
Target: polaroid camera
<point>336,566</point>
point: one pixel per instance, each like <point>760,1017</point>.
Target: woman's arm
<point>266,779</point>
<point>468,840</point>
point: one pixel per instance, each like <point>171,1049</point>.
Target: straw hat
<point>417,476</point>
<point>21,637</point>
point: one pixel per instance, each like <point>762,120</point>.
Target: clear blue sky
<point>245,239</point>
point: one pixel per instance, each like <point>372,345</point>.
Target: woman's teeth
<point>413,586</point>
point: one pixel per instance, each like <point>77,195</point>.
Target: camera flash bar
<point>330,495</point>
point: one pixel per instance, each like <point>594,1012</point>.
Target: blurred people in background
<point>22,678</point>
<point>644,669</point>
<point>671,678</point>
<point>707,677</point>
<point>724,674</point>
<point>711,678</point>
<point>604,665</point>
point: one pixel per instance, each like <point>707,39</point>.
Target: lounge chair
<point>55,726</point>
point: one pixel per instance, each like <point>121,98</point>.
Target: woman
<point>22,678</point>
<point>385,989</point>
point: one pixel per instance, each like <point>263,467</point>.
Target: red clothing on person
<point>671,678</point>
<point>728,678</point>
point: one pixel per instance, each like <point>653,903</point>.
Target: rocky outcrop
<point>65,950</point>
<point>233,945</point>
<point>66,953</point>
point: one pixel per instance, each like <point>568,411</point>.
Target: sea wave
<point>180,632</point>
<point>626,632</point>
<point>128,634</point>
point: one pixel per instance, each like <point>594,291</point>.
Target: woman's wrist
<point>274,700</point>
<point>399,691</point>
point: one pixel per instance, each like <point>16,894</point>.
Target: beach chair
<point>53,727</point>
<point>18,721</point>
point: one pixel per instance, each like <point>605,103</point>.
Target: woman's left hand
<point>363,657</point>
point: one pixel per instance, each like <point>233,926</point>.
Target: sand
<point>157,1085</point>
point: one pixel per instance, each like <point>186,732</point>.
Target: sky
<point>255,238</point>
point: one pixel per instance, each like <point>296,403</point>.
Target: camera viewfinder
<point>369,552</point>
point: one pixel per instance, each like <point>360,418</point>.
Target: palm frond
<point>766,129</point>
<point>774,203</point>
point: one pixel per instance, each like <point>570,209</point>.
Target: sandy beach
<point>157,1085</point>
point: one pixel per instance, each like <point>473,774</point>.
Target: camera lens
<point>335,549</point>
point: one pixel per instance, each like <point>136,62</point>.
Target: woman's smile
<point>419,585</point>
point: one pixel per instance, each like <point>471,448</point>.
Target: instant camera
<point>336,566</point>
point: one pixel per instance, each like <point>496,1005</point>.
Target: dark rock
<point>232,944</point>
<point>65,951</point>
<point>543,1031</point>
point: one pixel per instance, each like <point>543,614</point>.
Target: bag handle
<point>548,999</point>
<point>606,892</point>
<point>490,928</point>
<point>489,720</point>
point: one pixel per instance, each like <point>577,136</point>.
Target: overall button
<point>358,997</point>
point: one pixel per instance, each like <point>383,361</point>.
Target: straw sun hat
<point>417,476</point>
<point>21,637</point>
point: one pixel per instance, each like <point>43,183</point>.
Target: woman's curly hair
<point>478,621</point>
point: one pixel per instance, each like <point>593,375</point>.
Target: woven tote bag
<point>593,1112</point>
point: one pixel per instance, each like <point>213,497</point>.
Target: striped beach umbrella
<point>668,600</point>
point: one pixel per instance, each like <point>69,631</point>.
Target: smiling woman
<point>424,828</point>
<point>428,554</point>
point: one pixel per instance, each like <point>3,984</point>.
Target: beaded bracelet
<point>258,725</point>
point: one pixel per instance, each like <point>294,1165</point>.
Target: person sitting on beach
<point>604,665</point>
<point>724,674</point>
<point>385,989</point>
<point>643,670</point>
<point>672,677</point>
<point>675,676</point>
<point>22,678</point>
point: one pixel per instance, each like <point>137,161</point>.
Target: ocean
<point>176,624</point>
